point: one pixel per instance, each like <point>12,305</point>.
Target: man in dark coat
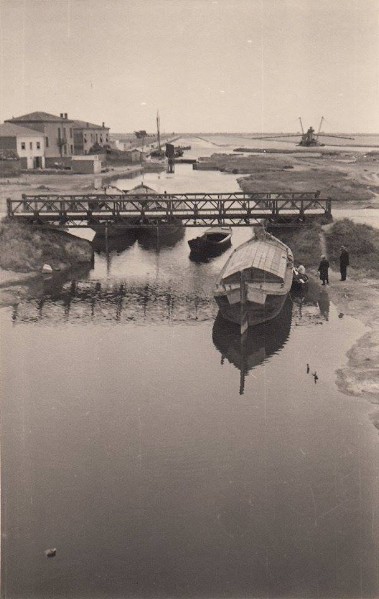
<point>324,270</point>
<point>344,262</point>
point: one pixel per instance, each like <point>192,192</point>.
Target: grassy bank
<point>304,243</point>
<point>362,242</point>
<point>24,248</point>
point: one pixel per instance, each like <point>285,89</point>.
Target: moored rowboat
<point>213,240</point>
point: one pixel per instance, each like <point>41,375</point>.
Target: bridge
<point>154,209</point>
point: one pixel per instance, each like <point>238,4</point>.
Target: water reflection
<point>114,244</point>
<point>259,343</point>
<point>119,301</point>
<point>154,238</point>
<point>312,305</point>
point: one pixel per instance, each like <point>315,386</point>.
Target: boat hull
<point>255,281</point>
<point>255,313</point>
<point>213,242</point>
<point>200,246</point>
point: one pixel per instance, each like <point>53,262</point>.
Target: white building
<point>27,143</point>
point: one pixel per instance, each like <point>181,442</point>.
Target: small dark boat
<point>213,241</point>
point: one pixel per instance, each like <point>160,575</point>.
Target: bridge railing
<point>187,207</point>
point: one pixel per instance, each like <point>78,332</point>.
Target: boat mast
<point>158,132</point>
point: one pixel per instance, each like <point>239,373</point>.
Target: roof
<point>37,117</point>
<point>86,125</point>
<point>11,130</point>
<point>141,189</point>
<point>261,255</point>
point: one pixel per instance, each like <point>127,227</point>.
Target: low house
<point>86,165</point>
<point>57,132</point>
<point>133,156</point>
<point>27,143</point>
<point>87,135</point>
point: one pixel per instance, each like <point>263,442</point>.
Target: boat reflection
<point>257,345</point>
<point>117,244</point>
<point>153,238</point>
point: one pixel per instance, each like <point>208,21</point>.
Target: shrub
<point>362,242</point>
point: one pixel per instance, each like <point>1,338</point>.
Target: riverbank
<point>347,177</point>
<point>26,249</point>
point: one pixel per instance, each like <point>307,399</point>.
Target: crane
<point>309,137</point>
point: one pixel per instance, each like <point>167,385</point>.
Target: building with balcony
<point>27,143</point>
<point>57,132</point>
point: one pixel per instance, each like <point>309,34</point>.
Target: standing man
<point>324,270</point>
<point>344,262</point>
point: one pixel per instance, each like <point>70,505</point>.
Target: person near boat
<point>344,262</point>
<point>324,270</point>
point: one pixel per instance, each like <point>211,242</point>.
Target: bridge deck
<point>190,209</point>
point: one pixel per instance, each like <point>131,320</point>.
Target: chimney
<point>61,115</point>
<point>65,115</point>
<point>103,125</point>
<point>87,125</point>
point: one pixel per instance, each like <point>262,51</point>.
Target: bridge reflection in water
<point>256,346</point>
<point>58,300</point>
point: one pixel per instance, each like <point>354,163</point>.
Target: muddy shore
<point>351,180</point>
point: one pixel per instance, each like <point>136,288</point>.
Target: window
<point>47,142</point>
<point>38,145</point>
<point>31,145</point>
<point>59,132</point>
<point>23,145</point>
<point>70,131</point>
<point>72,149</point>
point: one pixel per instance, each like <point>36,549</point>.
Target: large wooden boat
<point>213,241</point>
<point>255,281</point>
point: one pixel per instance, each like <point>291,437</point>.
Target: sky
<point>206,65</point>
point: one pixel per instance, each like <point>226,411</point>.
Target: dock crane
<point>309,138</point>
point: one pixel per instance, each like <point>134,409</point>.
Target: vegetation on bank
<point>304,243</point>
<point>26,248</point>
<point>362,242</point>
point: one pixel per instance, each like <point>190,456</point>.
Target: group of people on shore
<point>324,266</point>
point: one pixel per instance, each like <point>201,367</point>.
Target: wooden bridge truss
<point>190,209</point>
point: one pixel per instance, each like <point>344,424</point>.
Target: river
<point>163,459</point>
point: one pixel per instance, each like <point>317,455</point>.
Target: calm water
<point>163,459</point>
